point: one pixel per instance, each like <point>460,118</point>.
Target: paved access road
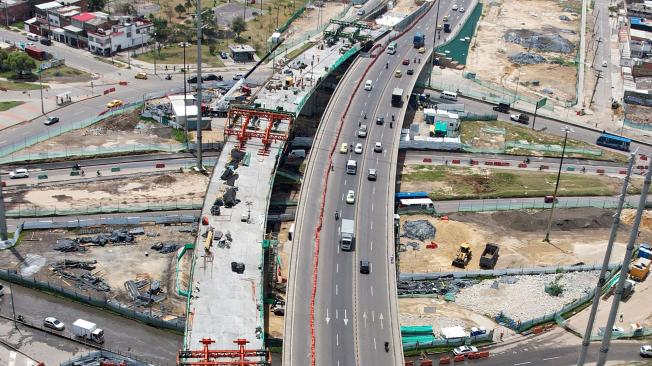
<point>128,336</point>
<point>355,314</point>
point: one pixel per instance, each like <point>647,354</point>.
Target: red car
<point>406,61</point>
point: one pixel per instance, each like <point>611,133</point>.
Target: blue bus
<point>405,195</point>
<point>614,141</point>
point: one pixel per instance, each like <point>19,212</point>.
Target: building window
<point>128,34</point>
<point>137,31</point>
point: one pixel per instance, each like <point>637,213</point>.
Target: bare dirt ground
<point>406,6</point>
<point>308,20</point>
<point>121,130</point>
<point>439,313</point>
<point>489,51</point>
<point>274,322</point>
<point>116,263</point>
<point>157,189</point>
<point>578,235</point>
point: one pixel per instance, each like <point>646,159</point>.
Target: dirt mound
<point>542,42</point>
<point>526,58</point>
<point>627,217</point>
<point>527,221</point>
<point>164,179</point>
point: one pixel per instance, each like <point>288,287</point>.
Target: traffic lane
<point>90,172</point>
<point>128,336</point>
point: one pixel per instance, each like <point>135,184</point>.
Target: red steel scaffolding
<point>239,357</point>
<point>250,119</point>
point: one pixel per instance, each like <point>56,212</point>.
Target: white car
<point>350,196</point>
<point>372,174</point>
<point>362,131</point>
<point>646,351</point>
<point>32,37</point>
<point>358,148</point>
<point>378,147</point>
<point>464,350</point>
<point>19,173</point>
<point>368,85</point>
<point>454,7</point>
<point>53,323</point>
<point>238,76</point>
<point>344,148</point>
<point>604,63</point>
<point>461,10</point>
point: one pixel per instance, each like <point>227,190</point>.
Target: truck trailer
<point>397,97</point>
<point>347,234</point>
<point>87,330</point>
<point>36,53</point>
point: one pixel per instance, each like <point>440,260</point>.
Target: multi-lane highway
<point>354,313</point>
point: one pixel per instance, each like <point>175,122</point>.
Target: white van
<point>391,49</point>
<point>238,76</point>
<point>448,95</point>
<point>368,85</point>
<point>351,167</point>
<point>32,37</point>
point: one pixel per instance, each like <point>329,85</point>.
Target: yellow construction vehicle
<point>463,256</point>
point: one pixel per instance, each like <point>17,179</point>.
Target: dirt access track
<point>488,57</point>
<point>578,235</point>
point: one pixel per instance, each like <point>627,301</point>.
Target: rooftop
<point>84,17</point>
<point>241,48</point>
<point>49,6</point>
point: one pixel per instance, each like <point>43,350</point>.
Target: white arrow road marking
<point>328,319</point>
<point>381,320</point>
<point>337,313</point>
<point>374,342</point>
<point>364,316</point>
<point>346,320</point>
<point>373,316</point>
<point>372,291</point>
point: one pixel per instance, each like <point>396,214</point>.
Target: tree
<point>180,9</point>
<point>20,63</point>
<point>3,60</point>
<point>96,5</point>
<point>188,4</point>
<point>126,9</point>
<point>238,26</point>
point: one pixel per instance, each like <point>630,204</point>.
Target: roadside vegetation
<point>450,182</point>
<point>9,104</point>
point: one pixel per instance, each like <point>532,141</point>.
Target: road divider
<point>522,165</point>
<point>459,358</point>
<point>427,160</point>
<point>599,171</point>
<point>444,360</point>
<point>115,169</point>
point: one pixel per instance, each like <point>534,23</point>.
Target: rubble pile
<point>165,248</point>
<point>144,291</point>
<point>115,237</point>
<point>541,42</point>
<point>526,58</point>
<point>418,229</point>
<point>523,297</point>
<point>441,286</point>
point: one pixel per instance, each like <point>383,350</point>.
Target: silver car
<point>53,323</point>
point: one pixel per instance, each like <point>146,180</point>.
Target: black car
<point>380,120</point>
<point>365,267</point>
<point>192,80</point>
<point>46,41</point>
<point>223,55</point>
<point>410,72</point>
<point>212,77</point>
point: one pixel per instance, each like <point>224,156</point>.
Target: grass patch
<point>448,182</point>
<point>471,129</point>
<point>293,54</point>
<point>173,54</point>
<point>179,135</point>
<point>108,61</point>
<point>8,105</point>
<point>19,24</point>
<point>64,71</point>
<point>11,85</point>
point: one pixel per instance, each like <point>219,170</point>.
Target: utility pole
<point>618,294</point>
<point>605,264</point>
<point>199,86</point>
<point>3,215</point>
<point>155,53</point>
<point>596,51</point>
<point>554,195</point>
<point>40,83</point>
<point>595,86</point>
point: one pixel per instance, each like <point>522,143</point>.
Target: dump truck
<point>347,234</point>
<point>87,330</point>
<point>419,40</point>
<point>639,269</point>
<point>489,256</point>
<point>463,256</point>
<point>397,97</point>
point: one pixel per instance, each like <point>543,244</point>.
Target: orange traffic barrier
<point>643,157</point>
<point>483,354</point>
<point>537,330</point>
<point>444,218</point>
<point>409,363</point>
<point>107,91</point>
<point>506,163</point>
<point>522,165</point>
<point>459,358</point>
<point>426,363</point>
<point>456,161</point>
<point>622,171</point>
<point>444,360</point>
<point>432,245</point>
<point>204,220</point>
<point>160,165</point>
<point>474,162</point>
<point>488,163</point>
<point>112,90</point>
<point>542,167</point>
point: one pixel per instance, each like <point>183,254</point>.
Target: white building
<point>120,37</point>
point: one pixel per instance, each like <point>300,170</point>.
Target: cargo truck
<point>419,40</point>
<point>489,256</point>
<point>397,97</point>
<point>87,330</point>
<point>36,53</point>
<point>347,234</point>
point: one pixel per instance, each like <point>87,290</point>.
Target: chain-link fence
<point>408,346</point>
<point>156,320</point>
<point>551,148</point>
<point>538,204</point>
<point>30,210</point>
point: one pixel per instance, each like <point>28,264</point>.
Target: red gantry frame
<point>245,131</point>
<point>239,357</point>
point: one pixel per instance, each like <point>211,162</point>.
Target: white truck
<point>87,330</point>
<point>347,233</point>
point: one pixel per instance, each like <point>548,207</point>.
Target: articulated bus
<point>614,141</point>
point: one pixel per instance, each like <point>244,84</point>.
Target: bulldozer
<point>463,256</point>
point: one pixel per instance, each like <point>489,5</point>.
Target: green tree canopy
<point>20,63</point>
<point>180,9</point>
<point>96,5</point>
<point>238,26</point>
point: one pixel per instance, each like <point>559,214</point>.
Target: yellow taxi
<point>114,103</point>
<point>343,148</point>
<point>422,50</point>
<point>141,75</point>
<point>398,73</point>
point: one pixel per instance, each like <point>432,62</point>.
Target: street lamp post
<point>3,217</point>
<point>185,92</point>
<point>40,83</point>
<point>554,195</point>
<point>155,52</point>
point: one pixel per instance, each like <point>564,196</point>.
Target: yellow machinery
<point>463,256</point>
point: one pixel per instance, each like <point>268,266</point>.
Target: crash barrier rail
<point>36,211</point>
<point>180,291</point>
<point>503,272</point>
<point>642,332</point>
<point>513,204</point>
<point>63,128</point>
<point>479,117</point>
<point>105,303</point>
<point>557,316</point>
<point>448,342</point>
<point>88,358</point>
<point>457,46</point>
<point>115,220</point>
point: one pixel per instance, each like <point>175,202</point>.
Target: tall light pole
<point>199,86</point>
<point>554,196</point>
<point>40,83</point>
<point>155,52</point>
<point>185,91</point>
<point>605,264</point>
<point>3,216</point>
<point>618,294</point>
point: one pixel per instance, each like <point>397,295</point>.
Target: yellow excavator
<point>463,256</point>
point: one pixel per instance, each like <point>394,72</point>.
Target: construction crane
<point>239,357</point>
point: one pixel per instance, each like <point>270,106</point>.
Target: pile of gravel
<point>526,58</point>
<point>525,298</point>
<point>418,229</point>
<point>542,42</point>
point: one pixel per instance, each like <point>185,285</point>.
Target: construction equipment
<point>463,256</point>
<point>639,269</point>
<point>489,256</point>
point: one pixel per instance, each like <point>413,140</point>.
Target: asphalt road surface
<point>128,336</point>
<point>353,311</point>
